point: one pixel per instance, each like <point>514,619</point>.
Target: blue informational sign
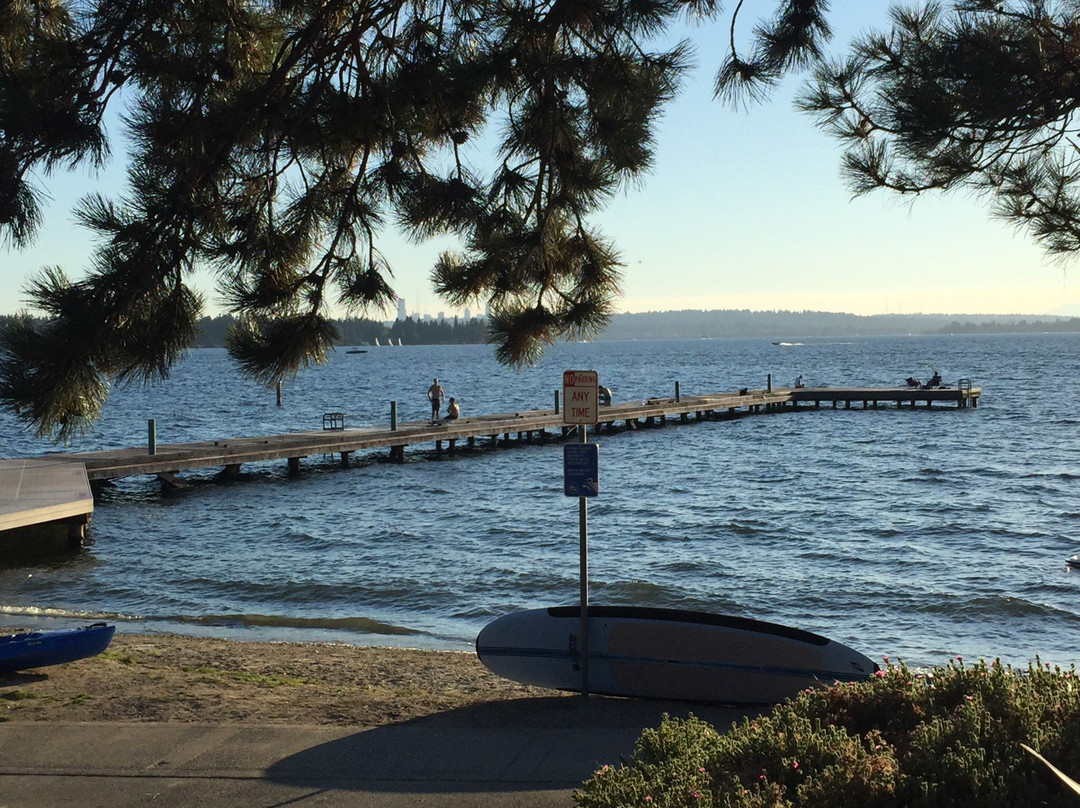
<point>581,469</point>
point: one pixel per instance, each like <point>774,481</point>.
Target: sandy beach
<point>170,678</point>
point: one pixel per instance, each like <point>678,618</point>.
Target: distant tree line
<point>692,324</point>
<point>677,325</point>
<point>363,331</point>
<point>1055,325</point>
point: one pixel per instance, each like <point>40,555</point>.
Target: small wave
<point>65,614</point>
<point>359,625</point>
<point>363,625</point>
<point>994,607</point>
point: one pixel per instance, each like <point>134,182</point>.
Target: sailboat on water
<point>376,342</point>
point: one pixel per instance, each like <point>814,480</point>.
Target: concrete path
<point>530,753</point>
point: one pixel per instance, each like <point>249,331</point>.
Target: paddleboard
<point>666,654</point>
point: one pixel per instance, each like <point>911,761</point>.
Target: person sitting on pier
<point>935,380</point>
<point>799,381</point>
<point>604,394</point>
<point>913,382</point>
<point>452,410</point>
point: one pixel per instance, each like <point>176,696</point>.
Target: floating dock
<point>45,491</point>
<point>66,480</point>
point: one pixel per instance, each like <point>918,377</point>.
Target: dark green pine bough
<point>272,142</point>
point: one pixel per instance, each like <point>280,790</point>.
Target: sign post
<point>581,479</point>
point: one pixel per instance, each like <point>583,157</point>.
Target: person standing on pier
<point>435,396</point>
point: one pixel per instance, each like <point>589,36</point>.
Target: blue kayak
<point>36,649</point>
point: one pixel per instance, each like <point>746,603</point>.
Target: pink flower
<point>885,658</point>
<point>880,674</point>
<point>648,798</point>
<point>959,658</point>
<point>701,769</point>
<point>795,764</point>
<point>695,794</point>
<point>970,698</point>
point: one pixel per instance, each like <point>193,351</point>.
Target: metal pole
<point>677,391</point>
<point>279,392</point>
<point>769,384</point>
<point>583,553</point>
<point>556,402</point>
<point>393,416</point>
<point>151,436</point>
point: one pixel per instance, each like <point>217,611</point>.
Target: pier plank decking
<point>68,476</point>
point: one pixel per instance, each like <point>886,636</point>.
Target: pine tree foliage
<point>272,143</point>
<point>980,96</point>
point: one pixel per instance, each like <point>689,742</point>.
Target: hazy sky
<point>745,210</point>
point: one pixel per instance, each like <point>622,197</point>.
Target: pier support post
<point>768,383</point>
<point>279,392</point>
<point>170,482</point>
<point>556,402</point>
<point>397,454</point>
<point>678,398</point>
<point>230,472</point>
<point>151,436</point>
<point>393,416</point>
<point>294,466</point>
<point>76,531</point>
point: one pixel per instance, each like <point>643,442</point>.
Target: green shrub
<point>952,737</point>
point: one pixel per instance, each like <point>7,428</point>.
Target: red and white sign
<point>580,399</point>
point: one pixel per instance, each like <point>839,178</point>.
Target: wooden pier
<point>230,454</point>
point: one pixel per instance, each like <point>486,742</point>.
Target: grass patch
<point>247,677</point>
<point>118,656</point>
<point>19,695</point>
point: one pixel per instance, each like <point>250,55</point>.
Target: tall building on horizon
<point>401,309</point>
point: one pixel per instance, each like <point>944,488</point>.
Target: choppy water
<point>915,534</point>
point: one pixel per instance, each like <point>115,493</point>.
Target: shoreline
<point>181,678</point>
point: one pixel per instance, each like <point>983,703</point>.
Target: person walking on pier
<point>435,396</point>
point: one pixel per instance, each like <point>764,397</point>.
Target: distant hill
<point>690,324</point>
<point>695,324</point>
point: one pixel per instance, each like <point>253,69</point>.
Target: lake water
<point>919,535</point>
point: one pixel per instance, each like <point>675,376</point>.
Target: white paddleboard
<point>666,654</point>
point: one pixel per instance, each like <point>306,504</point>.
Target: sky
<point>744,209</point>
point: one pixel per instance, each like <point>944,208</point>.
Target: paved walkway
<point>530,753</point>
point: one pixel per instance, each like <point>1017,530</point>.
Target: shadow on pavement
<point>520,745</point>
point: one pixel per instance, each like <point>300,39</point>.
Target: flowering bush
<point>903,739</point>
